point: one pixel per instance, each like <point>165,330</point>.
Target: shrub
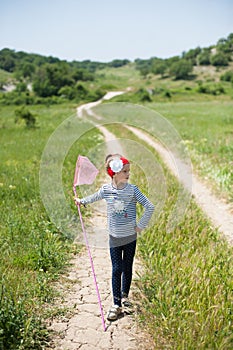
<point>220,59</point>
<point>15,98</point>
<point>227,76</point>
<point>67,92</point>
<point>213,89</point>
<point>159,67</point>
<point>143,95</point>
<point>204,57</point>
<point>181,69</point>
<point>24,114</point>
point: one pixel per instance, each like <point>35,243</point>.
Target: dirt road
<point>83,329</point>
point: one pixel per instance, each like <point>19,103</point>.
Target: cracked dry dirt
<point>83,329</point>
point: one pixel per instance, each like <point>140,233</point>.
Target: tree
<point>42,86</point>
<point>28,69</point>
<point>50,78</point>
<point>181,69</point>
<point>220,59</point>
<point>21,87</point>
<point>82,74</point>
<point>7,60</point>
<point>144,66</point>
<point>192,55</point>
<point>226,45</point>
<point>81,92</point>
<point>204,57</point>
<point>67,92</point>
<point>118,63</point>
<point>159,67</point>
<point>171,60</point>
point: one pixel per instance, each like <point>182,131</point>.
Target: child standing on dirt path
<point>121,198</point>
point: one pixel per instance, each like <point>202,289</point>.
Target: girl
<point>121,198</point>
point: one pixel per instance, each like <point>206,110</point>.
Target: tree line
<point>180,67</point>
<point>51,77</point>
<point>41,78</point>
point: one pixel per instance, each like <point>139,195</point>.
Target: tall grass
<point>207,130</point>
<point>187,284</point>
<point>185,289</point>
<point>33,250</point>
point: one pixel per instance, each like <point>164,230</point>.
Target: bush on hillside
<point>191,55</point>
<point>204,57</point>
<point>213,89</point>
<point>143,95</point>
<point>227,76</point>
<point>226,45</point>
<point>219,59</point>
<point>16,98</point>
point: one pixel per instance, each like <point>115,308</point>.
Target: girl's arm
<point>92,198</point>
<point>149,208</point>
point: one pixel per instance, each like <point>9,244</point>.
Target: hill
<point>198,73</point>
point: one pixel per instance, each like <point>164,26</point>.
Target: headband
<point>116,165</point>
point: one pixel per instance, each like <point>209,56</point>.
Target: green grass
<point>164,89</point>
<point>187,284</point>
<point>119,78</point>
<point>33,250</point>
<point>185,289</point>
<point>207,130</point>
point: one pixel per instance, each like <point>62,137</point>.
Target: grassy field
<point>187,285</point>
<point>206,128</point>
<point>165,89</point>
<point>185,290</point>
<point>33,250</point>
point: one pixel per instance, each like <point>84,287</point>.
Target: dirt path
<point>219,213</point>
<point>82,329</point>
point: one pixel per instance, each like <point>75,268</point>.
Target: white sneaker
<point>127,305</point>
<point>114,312</point>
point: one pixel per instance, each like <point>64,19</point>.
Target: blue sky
<point>103,30</point>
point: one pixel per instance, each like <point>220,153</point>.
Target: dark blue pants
<point>122,257</point>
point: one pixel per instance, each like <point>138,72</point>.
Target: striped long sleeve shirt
<point>121,208</point>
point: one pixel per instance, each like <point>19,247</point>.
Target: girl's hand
<point>77,200</point>
<point>137,229</point>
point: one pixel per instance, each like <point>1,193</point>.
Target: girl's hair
<point>109,157</point>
